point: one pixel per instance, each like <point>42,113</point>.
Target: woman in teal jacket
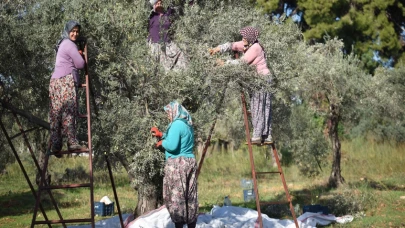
<point>179,183</point>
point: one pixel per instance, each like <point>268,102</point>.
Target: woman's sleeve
<point>73,52</point>
<point>248,57</point>
<point>172,140</point>
<point>235,46</point>
<point>251,54</point>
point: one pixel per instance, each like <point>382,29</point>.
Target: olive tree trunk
<point>335,178</point>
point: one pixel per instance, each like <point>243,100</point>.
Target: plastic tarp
<point>221,217</point>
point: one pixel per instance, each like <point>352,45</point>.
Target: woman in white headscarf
<point>179,183</point>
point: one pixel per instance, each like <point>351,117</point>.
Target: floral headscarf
<point>177,111</point>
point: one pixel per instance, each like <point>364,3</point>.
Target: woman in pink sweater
<point>260,101</point>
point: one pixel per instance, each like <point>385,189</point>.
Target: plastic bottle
<point>227,201</point>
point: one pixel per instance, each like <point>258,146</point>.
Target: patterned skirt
<point>260,106</point>
<point>180,189</point>
<point>169,55</point>
<point>63,108</point>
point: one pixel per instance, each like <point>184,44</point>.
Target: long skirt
<point>63,111</point>
<point>180,189</point>
<point>169,55</point>
<point>260,106</point>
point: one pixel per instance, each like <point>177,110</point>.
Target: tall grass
<point>368,159</point>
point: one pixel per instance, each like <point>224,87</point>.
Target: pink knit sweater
<point>254,56</point>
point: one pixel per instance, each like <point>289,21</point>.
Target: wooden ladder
<point>45,187</point>
<point>254,173</point>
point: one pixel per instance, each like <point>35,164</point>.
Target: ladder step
<point>82,115</point>
<point>260,144</point>
<point>274,202</point>
<point>70,152</point>
<point>82,85</point>
<point>66,186</point>
<point>277,172</point>
<point>63,221</point>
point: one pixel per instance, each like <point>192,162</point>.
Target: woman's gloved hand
<point>155,132</point>
<point>159,146</point>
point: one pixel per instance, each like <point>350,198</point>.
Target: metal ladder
<point>254,173</point>
<point>45,187</point>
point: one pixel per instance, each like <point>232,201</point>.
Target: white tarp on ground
<point>221,217</point>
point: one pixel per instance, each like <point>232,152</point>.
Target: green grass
<point>374,174</point>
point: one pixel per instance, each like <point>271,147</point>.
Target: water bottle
<point>227,201</point>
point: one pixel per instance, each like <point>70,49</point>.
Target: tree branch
<point>31,118</point>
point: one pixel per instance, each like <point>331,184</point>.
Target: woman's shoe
<point>269,139</point>
<point>56,151</point>
<point>256,140</point>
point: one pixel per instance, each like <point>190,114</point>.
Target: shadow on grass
<point>350,199</point>
<point>377,185</point>
<point>22,203</point>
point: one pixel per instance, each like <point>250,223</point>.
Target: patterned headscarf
<point>177,111</point>
<point>250,34</point>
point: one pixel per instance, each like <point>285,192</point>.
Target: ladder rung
<point>70,152</point>
<point>274,202</point>
<point>63,221</point>
<point>268,172</point>
<point>261,144</point>
<point>66,186</point>
<point>82,85</point>
<point>82,115</point>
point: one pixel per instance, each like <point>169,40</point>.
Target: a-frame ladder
<point>254,173</point>
<point>43,185</point>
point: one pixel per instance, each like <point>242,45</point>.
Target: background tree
<point>332,84</point>
<point>373,30</point>
<point>382,117</point>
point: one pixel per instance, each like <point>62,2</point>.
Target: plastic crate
<point>246,184</point>
<point>315,209</point>
<point>248,195</point>
<point>101,209</point>
<point>109,209</point>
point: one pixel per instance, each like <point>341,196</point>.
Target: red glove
<point>155,132</point>
<point>159,146</point>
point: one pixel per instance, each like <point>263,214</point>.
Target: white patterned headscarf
<point>177,111</point>
<point>153,2</point>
